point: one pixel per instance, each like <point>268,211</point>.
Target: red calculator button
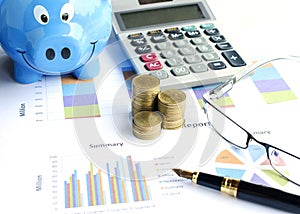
<point>148,57</point>
<point>152,66</point>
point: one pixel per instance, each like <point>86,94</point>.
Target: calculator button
<point>233,58</point>
<point>210,56</point>
<point>148,57</point>
<point>217,65</point>
<point>211,32</point>
<point>154,32</point>
<point>174,62</point>
<point>163,46</point>
<point>192,59</point>
<point>205,48</point>
<point>139,42</point>
<point>207,26</point>
<point>193,34</point>
<point>176,36</point>
<point>143,49</point>
<point>199,68</point>
<point>180,71</point>
<point>170,53</point>
<point>151,66</point>
<point>199,41</point>
<point>189,28</point>
<point>158,38</point>
<point>135,36</point>
<point>218,39</point>
<point>223,46</point>
<point>180,43</point>
<point>172,30</point>
<point>186,51</point>
<point>160,74</point>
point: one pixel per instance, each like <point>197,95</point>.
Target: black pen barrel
<point>250,192</point>
<point>210,181</point>
<point>268,196</point>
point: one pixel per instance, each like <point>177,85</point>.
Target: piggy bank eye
<point>41,14</point>
<point>67,12</point>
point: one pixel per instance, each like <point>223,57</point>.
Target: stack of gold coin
<point>145,89</point>
<point>147,125</point>
<point>171,103</point>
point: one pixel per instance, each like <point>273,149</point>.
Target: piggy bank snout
<point>56,49</point>
<point>57,54</point>
<point>65,53</point>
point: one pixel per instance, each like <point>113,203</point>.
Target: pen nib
<point>183,173</point>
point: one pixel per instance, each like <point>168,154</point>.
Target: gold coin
<point>147,119</point>
<point>172,125</point>
<point>145,89</point>
<point>171,103</point>
<point>171,96</point>
<point>137,106</point>
<point>147,125</point>
<point>171,110</point>
<point>145,81</point>
<point>148,130</point>
<point>145,136</point>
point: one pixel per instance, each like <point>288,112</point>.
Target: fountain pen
<point>246,191</point>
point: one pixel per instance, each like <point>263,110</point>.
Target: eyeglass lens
<point>226,128</point>
<point>285,164</point>
<point>281,161</point>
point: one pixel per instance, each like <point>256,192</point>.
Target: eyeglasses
<point>285,163</point>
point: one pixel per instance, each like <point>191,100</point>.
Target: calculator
<point>178,41</point>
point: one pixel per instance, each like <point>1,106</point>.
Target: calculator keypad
<point>177,52</point>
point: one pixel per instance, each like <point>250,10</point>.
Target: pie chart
<point>249,164</point>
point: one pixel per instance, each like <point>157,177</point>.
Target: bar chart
<point>266,80</point>
<point>65,97</point>
<point>73,194</point>
<point>95,191</point>
<point>80,99</point>
<point>271,85</point>
<point>95,187</point>
<point>140,190</point>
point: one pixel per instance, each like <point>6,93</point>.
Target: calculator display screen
<point>161,16</point>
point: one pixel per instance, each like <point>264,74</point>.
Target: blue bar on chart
<point>271,85</point>
<point>95,191</point>
<point>73,194</point>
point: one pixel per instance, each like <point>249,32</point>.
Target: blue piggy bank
<point>45,37</point>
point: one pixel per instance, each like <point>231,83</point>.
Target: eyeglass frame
<point>223,88</point>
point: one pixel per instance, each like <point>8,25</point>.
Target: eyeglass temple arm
<point>226,86</point>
